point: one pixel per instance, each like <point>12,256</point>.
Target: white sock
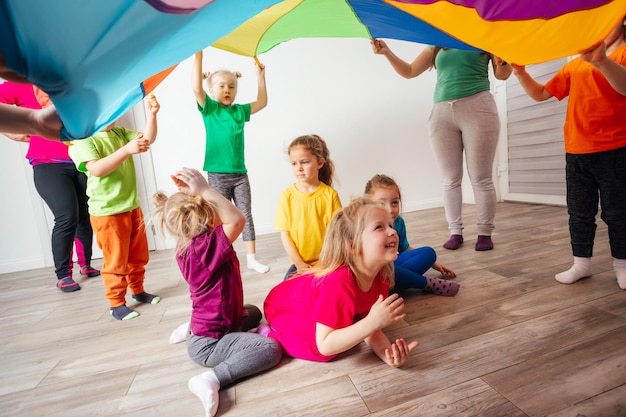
<point>256,265</point>
<point>580,269</point>
<point>619,266</point>
<point>180,333</point>
<point>206,387</point>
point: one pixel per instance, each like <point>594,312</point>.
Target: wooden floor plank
<point>513,342</point>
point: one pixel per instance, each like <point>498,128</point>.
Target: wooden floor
<point>513,342</point>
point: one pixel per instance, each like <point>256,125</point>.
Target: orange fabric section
<point>150,83</point>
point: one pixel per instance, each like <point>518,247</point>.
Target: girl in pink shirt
<point>344,300</point>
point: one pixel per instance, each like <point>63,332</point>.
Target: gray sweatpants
<point>236,355</point>
<point>469,124</point>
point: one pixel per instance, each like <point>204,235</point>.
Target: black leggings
<point>64,189</point>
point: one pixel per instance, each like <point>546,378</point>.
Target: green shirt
<point>460,74</point>
<point>114,193</point>
<point>224,152</point>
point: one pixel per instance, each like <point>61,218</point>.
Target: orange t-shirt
<point>596,114</point>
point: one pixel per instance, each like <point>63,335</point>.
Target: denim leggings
<point>411,266</point>
<point>594,177</point>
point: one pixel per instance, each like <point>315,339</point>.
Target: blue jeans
<point>594,177</point>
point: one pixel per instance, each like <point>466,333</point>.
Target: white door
<point>532,162</point>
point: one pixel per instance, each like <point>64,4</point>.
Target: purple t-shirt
<point>211,268</point>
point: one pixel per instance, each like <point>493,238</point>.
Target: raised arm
<point>196,79</point>
<point>420,64</point>
<point>192,181</point>
<point>261,97</point>
<point>501,70</point>
<point>534,90</point>
<point>21,120</point>
<point>614,73</point>
<point>152,108</point>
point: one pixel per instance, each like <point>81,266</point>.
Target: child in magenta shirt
<point>205,224</point>
<point>344,300</point>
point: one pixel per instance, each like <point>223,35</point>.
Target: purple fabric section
<point>178,6</point>
<point>519,9</point>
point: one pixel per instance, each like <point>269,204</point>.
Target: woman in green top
<point>464,118</point>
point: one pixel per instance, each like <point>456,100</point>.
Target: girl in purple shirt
<point>205,224</point>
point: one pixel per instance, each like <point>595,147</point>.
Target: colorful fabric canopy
<point>522,31</point>
<point>92,57</point>
<point>97,59</point>
<point>291,19</point>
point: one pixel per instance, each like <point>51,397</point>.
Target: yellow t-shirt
<point>305,217</point>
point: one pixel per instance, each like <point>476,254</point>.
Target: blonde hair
<point>210,76</point>
<point>184,216</point>
<point>343,240</point>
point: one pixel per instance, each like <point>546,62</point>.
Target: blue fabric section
<point>90,57</point>
<point>386,21</point>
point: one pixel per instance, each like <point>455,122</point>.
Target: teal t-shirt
<point>224,152</point>
<point>114,193</point>
<point>460,74</point>
<point>400,228</point>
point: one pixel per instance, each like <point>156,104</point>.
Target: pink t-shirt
<point>40,150</point>
<point>293,307</point>
<point>211,268</point>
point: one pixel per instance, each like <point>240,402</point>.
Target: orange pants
<point>122,239</point>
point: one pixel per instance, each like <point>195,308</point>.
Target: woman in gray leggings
<point>464,118</point>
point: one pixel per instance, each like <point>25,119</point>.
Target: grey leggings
<point>236,188</point>
<point>469,124</point>
<point>236,355</point>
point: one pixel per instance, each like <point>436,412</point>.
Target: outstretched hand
<point>399,353</point>
<point>379,47</point>
<point>138,145</point>
<point>444,270</point>
<point>190,181</point>
<point>595,54</point>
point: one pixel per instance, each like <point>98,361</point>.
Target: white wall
<point>373,120</point>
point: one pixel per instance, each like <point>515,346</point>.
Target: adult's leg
<point>447,144</point>
<point>55,185</point>
<point>478,118</point>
